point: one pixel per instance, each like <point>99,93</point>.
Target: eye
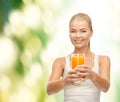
<point>84,31</point>
<point>72,31</point>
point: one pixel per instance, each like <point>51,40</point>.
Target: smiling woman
<point>80,28</point>
<point>94,74</point>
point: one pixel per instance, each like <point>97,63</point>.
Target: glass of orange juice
<point>77,59</point>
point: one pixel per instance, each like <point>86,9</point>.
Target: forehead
<point>79,24</point>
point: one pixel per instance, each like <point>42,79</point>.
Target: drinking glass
<point>77,59</point>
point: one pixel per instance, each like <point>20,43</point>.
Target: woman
<point>96,68</point>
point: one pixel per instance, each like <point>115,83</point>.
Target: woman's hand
<point>71,78</point>
<point>85,72</point>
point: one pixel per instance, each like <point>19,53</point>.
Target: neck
<point>84,50</point>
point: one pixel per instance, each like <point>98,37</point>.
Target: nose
<point>78,34</point>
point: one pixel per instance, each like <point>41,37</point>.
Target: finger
<point>83,74</point>
<point>69,80</point>
<point>73,81</point>
<point>72,72</point>
<point>73,76</point>
<point>84,79</point>
<point>82,66</point>
<point>82,70</point>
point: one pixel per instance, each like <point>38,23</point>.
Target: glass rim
<point>77,54</point>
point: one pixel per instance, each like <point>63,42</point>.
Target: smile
<point>79,41</point>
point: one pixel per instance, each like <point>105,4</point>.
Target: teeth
<point>78,41</point>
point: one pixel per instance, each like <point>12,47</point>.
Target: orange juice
<point>81,59</point>
<point>77,59</point>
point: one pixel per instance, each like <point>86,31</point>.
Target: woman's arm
<point>102,80</point>
<point>55,82</point>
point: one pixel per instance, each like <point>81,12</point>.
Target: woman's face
<point>80,33</point>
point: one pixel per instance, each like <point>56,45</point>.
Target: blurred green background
<point>34,32</point>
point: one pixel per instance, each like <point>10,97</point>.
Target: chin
<point>78,47</point>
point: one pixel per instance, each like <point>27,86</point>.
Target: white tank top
<point>86,91</point>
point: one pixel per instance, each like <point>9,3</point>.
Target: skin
<point>80,34</point>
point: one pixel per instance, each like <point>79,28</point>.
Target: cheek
<point>71,36</point>
<point>87,36</point>
<point>87,39</point>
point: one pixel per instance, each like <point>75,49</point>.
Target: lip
<point>78,41</point>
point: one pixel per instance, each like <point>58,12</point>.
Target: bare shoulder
<point>60,61</point>
<point>104,61</point>
<point>57,68</point>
